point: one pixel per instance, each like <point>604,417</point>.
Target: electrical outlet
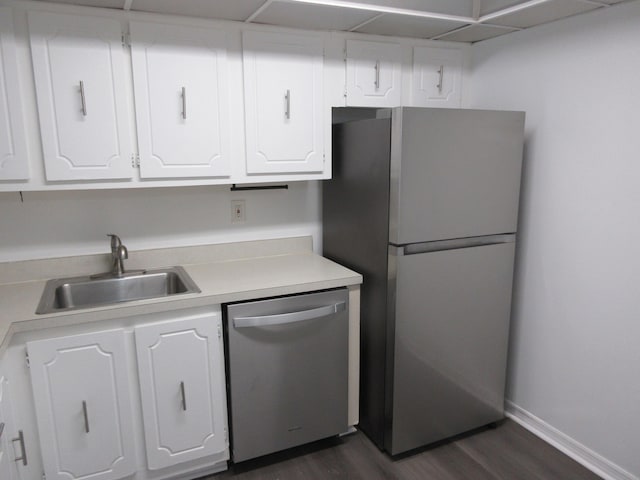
<point>238,211</point>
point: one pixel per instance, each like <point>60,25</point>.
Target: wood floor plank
<point>507,452</point>
<point>510,451</point>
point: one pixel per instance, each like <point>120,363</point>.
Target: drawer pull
<point>20,440</point>
<point>184,397</point>
<point>440,76</point>
<point>86,416</point>
<point>83,100</point>
<point>184,103</point>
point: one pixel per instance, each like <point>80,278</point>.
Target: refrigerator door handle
<point>453,244</point>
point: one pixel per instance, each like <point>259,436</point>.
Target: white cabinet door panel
<point>283,81</point>
<point>437,77</point>
<point>374,74</point>
<point>182,111</point>
<point>13,147</point>
<point>7,464</point>
<point>78,64</point>
<point>83,407</point>
<point>182,388</point>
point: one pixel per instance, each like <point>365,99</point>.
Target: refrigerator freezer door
<point>454,173</point>
<point>452,312</point>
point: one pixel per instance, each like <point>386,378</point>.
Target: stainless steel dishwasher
<point>287,371</point>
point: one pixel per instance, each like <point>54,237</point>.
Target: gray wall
<point>575,346</point>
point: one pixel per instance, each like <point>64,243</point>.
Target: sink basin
<point>63,294</point>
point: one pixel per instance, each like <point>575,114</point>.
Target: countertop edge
<point>343,278</point>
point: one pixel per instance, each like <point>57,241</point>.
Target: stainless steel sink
<point>64,294</point>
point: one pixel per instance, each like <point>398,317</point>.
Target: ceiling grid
<point>452,20</point>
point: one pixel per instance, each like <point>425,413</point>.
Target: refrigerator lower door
<point>287,371</point>
<point>449,350</point>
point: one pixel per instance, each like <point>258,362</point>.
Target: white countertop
<point>263,269</point>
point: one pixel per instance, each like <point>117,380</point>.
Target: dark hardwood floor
<point>507,452</point>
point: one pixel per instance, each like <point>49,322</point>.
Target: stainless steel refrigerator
<point>424,203</point>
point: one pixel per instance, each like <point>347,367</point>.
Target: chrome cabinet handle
<point>1,429</point>
<point>377,81</point>
<point>83,100</point>
<point>441,74</point>
<point>184,103</point>
<point>86,416</point>
<point>287,106</point>
<point>292,317</point>
<point>20,439</point>
<point>184,398</point>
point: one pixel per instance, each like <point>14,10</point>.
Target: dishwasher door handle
<point>291,317</point>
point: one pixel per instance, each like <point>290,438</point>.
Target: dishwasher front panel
<point>288,371</point>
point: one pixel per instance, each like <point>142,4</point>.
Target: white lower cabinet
<point>141,398</point>
<point>181,368</point>
<point>83,406</point>
<point>8,468</point>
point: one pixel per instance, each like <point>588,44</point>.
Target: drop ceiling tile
<point>407,26</point>
<point>476,33</point>
<point>490,6</point>
<point>450,7</point>
<point>226,10</point>
<point>92,3</point>
<point>542,13</point>
<point>315,17</point>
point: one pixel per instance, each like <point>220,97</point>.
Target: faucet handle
<point>115,241</point>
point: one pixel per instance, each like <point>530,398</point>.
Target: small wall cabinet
<point>13,147</point>
<point>181,100</point>
<point>78,63</point>
<point>437,77</point>
<point>374,74</point>
<point>284,107</point>
<point>181,373</point>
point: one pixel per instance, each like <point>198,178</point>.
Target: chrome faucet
<point>119,254</point>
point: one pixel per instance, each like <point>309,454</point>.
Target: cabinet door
<point>7,464</point>
<point>373,74</point>
<point>78,64</point>
<point>180,82</point>
<point>182,388</point>
<point>83,406</point>
<point>283,84</point>
<point>13,149</point>
<point>437,77</point>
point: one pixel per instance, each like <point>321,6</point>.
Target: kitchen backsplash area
<point>54,224</point>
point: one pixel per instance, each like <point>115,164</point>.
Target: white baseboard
<point>567,445</point>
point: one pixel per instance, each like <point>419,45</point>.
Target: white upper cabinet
<point>374,74</point>
<point>437,77</point>
<point>13,149</point>
<point>181,371</point>
<point>83,406</point>
<point>78,63</point>
<point>284,107</point>
<point>181,99</point>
